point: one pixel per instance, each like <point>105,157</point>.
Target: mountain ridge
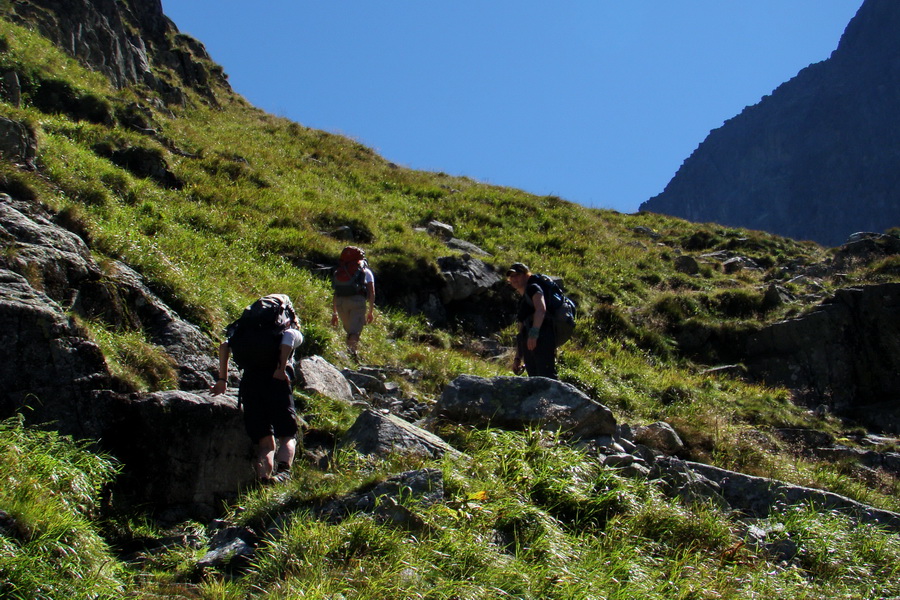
<point>815,159</point>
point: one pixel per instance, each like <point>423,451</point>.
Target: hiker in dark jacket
<point>354,289</point>
<point>266,395</point>
<point>535,340</point>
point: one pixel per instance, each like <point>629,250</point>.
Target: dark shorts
<point>540,362</point>
<point>268,407</point>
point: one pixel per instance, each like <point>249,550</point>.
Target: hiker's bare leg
<point>265,457</point>
<point>287,447</point>
<point>352,342</point>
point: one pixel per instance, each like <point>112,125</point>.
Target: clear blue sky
<point>595,101</point>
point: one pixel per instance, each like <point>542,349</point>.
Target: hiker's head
<point>352,254</point>
<point>518,268</point>
<point>517,275</point>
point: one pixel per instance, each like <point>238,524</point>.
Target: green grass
<point>525,517</point>
<point>50,546</point>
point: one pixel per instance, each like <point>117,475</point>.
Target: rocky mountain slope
<point>815,160</point>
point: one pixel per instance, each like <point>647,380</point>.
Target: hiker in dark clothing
<point>354,290</point>
<point>266,396</point>
<point>535,340</point>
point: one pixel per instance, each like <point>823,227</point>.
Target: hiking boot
<point>282,472</point>
<point>280,477</point>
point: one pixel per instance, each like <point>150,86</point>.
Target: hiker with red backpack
<point>354,289</point>
<point>262,342</point>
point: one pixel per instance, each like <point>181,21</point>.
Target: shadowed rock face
<point>125,41</point>
<point>177,448</point>
<point>817,159</point>
<point>845,354</point>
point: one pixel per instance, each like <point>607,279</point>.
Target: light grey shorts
<point>352,312</point>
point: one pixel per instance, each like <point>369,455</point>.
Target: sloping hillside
<point>169,187</point>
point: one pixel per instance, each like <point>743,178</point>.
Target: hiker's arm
<point>517,366</point>
<point>281,370</point>
<point>370,298</point>
<point>540,311</point>
<point>222,379</point>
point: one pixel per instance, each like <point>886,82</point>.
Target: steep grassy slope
<point>243,206</point>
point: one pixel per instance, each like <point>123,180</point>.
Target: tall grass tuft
<point>51,490</point>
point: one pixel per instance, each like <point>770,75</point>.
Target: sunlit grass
<point>50,490</point>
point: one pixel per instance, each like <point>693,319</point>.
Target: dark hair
<point>518,268</point>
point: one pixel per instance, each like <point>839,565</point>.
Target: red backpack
<point>349,279</point>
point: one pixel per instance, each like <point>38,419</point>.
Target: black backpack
<point>560,308</point>
<point>255,338</point>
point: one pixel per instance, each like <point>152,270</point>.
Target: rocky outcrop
<point>383,434</point>
<point>47,366</point>
<point>817,158</point>
<point>759,496</point>
<point>844,354</point>
<point>184,453</point>
<point>315,374</point>
<point>465,277</point>
<point>18,142</point>
<point>177,449</point>
<point>460,290</point>
<point>54,374</point>
<point>57,263</point>
<point>523,402</point>
<point>126,41</point>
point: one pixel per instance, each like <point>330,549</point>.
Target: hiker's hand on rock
<point>219,387</point>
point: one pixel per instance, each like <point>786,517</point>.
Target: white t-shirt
<point>292,338</point>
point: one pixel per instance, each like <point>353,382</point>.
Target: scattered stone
<point>739,263</point>
<point>438,229</point>
<point>315,374</point>
<point>230,547</point>
<point>380,434</point>
<point>522,402</point>
<point>644,230</point>
<point>776,296</point>
<point>687,264</point>
<point>659,436</point>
